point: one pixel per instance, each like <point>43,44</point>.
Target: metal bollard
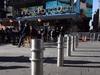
<point>72,43</point>
<point>75,42</point>
<point>37,57</point>
<point>77,39</point>
<point>60,57</point>
<point>68,46</point>
<point>91,37</point>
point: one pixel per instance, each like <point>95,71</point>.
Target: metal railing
<point>89,36</point>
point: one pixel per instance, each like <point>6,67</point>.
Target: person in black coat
<point>25,32</point>
<point>33,32</point>
<point>62,31</point>
<point>21,26</point>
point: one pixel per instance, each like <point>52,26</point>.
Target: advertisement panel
<point>85,6</point>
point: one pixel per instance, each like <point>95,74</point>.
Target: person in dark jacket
<point>49,34</point>
<point>21,26</point>
<point>54,35</point>
<point>34,32</point>
<point>25,32</point>
<point>62,31</point>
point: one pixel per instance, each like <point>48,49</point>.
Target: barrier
<point>68,52</point>
<point>75,42</point>
<point>60,57</point>
<point>36,57</point>
<point>72,43</point>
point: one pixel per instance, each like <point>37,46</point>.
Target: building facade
<point>19,10</point>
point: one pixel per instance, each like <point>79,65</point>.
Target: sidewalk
<point>85,60</point>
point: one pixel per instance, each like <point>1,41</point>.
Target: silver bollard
<point>77,39</point>
<point>36,57</point>
<point>60,47</point>
<point>68,53</point>
<point>72,43</point>
<point>75,42</point>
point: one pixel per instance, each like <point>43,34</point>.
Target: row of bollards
<point>72,43</point>
<point>37,53</point>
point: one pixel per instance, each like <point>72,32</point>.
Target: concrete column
<point>72,43</point>
<point>68,46</point>
<point>36,57</point>
<point>60,57</point>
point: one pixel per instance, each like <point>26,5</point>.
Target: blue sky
<point>95,7</point>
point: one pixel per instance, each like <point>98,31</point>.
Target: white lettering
<point>58,8</point>
<point>39,10</point>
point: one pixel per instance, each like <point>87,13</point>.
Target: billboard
<point>85,6</point>
<point>30,11</point>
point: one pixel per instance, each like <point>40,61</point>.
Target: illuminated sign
<point>85,5</point>
<point>35,11</point>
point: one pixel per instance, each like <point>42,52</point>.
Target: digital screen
<point>86,10</point>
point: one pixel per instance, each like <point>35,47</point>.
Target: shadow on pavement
<point>11,67</point>
<point>79,62</point>
<point>53,60</point>
<point>81,66</point>
<point>15,59</point>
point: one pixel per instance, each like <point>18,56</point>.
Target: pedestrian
<point>57,31</point>
<point>62,31</point>
<point>25,32</point>
<point>39,33</point>
<point>54,35</point>
<point>33,32</point>
<point>2,34</point>
<point>49,34</point>
<point>21,26</point>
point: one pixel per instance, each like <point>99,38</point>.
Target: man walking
<point>25,32</point>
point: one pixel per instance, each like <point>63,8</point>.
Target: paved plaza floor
<point>85,60</point>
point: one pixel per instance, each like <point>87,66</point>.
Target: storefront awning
<point>48,17</point>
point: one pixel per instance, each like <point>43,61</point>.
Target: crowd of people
<point>6,34</point>
<point>26,29</point>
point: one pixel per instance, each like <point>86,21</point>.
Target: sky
<point>95,7</point>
